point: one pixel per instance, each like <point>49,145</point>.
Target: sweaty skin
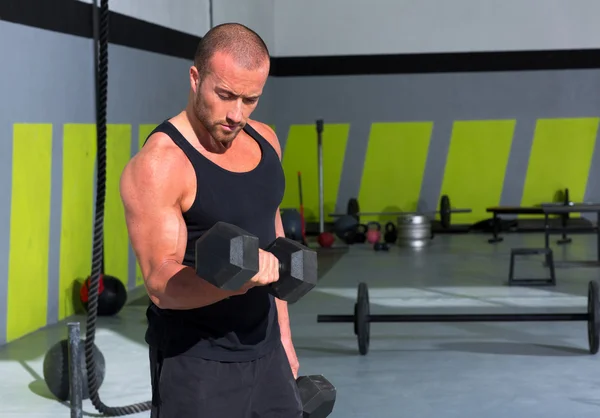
<point>158,185</point>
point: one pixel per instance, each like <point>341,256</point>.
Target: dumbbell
<point>227,257</point>
<point>317,395</point>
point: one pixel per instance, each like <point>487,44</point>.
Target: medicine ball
<point>345,228</point>
<point>292,224</point>
<point>56,369</point>
<point>112,295</point>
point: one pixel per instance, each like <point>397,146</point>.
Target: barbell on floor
<point>445,211</point>
<point>362,318</point>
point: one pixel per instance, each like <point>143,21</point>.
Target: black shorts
<point>190,387</point>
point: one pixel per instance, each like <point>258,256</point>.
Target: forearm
<point>175,286</point>
<point>284,319</point>
<point>282,306</point>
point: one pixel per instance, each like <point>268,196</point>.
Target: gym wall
<point>47,140</point>
<point>489,102</point>
<point>406,120</point>
<point>334,27</point>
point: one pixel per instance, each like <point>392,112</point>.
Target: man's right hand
<point>268,272</point>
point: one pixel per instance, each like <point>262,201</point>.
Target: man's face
<point>227,95</point>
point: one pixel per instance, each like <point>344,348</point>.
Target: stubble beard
<point>215,129</point>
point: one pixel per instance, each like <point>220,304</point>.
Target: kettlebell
<point>360,234</point>
<point>381,246</point>
<point>374,232</point>
<point>391,234</point>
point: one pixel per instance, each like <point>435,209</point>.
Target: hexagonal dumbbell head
<point>297,269</point>
<point>227,256</point>
<point>317,395</point>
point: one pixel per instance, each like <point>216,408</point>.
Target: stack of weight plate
<point>414,231</point>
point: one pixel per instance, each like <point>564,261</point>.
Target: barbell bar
<point>445,210</point>
<point>362,317</point>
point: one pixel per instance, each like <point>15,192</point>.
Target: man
<point>213,353</point>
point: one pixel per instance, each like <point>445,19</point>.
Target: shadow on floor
<point>514,349</point>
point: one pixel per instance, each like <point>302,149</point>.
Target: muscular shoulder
<point>268,133</point>
<point>155,172</point>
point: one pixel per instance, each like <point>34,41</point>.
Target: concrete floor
<point>448,370</point>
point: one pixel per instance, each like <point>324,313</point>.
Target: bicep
<point>154,221</point>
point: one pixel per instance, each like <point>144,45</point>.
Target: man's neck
<point>202,136</point>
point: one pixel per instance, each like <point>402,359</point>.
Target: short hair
<point>246,46</point>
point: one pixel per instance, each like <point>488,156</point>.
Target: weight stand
<point>320,175</point>
<point>75,375</point>
<point>512,281</point>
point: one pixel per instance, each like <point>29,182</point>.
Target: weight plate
<point>594,317</point>
<point>445,211</point>
<point>355,321</point>
<point>362,319</point>
<point>352,208</point>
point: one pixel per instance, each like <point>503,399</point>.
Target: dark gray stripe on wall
<point>592,192</point>
<point>435,165</point>
<point>55,223</point>
<point>354,162</point>
<point>518,162</point>
<point>6,135</point>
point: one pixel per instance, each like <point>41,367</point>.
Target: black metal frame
<point>549,262</point>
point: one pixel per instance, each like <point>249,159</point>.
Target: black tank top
<point>241,328</point>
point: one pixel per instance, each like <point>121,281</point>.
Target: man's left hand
<point>288,345</point>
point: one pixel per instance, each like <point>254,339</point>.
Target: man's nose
<point>234,115</point>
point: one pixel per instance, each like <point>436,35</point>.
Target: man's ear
<point>194,79</point>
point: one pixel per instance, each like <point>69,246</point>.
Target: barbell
<point>362,318</point>
<point>445,211</point>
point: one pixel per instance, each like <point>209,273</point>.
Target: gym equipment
<point>352,208</point>
<point>112,295</point>
<point>344,228</point>
<point>561,199</point>
<point>320,173</point>
<point>56,367</point>
<point>362,317</point>
<point>381,246</point>
<point>100,30</point>
<point>360,234</point>
<point>326,239</point>
<point>391,233</point>
<point>445,211</point>
<point>414,231</point>
<point>227,257</point>
<point>301,208</point>
<point>373,232</point>
<point>317,395</point>
<point>291,220</point>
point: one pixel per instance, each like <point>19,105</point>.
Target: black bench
<point>527,210</point>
